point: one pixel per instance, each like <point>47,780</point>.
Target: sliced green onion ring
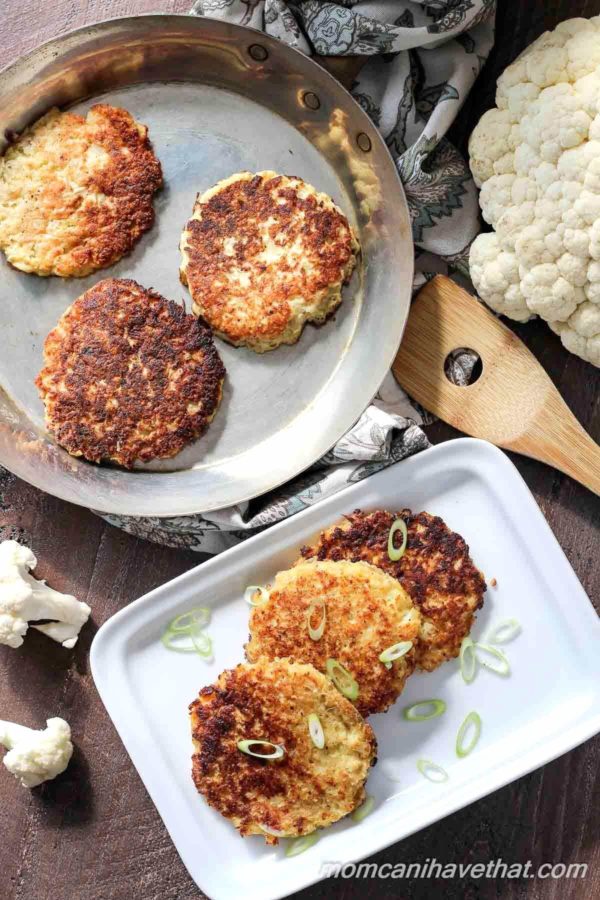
<point>409,617</point>
<point>179,641</point>
<point>472,723</point>
<point>272,831</point>
<point>246,747</point>
<point>168,640</point>
<point>501,666</point>
<point>431,709</point>
<point>316,633</point>
<point>396,651</point>
<point>396,553</point>
<point>342,679</point>
<point>468,660</point>
<point>198,617</point>
<point>299,845</point>
<point>432,771</point>
<point>202,643</point>
<point>505,631</point>
<point>365,809</point>
<point>251,591</point>
<point>315,729</point>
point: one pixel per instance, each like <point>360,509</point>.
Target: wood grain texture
<point>513,403</point>
<point>93,834</point>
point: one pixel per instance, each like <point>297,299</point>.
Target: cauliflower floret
<point>496,274</point>
<point>36,756</point>
<point>586,347</point>
<point>489,143</point>
<point>519,98</point>
<point>548,294</point>
<point>583,52</point>
<point>536,158</point>
<point>512,221</point>
<point>496,196</point>
<point>23,599</point>
<point>547,66</point>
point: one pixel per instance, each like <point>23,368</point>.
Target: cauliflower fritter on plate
<point>264,254</point>
<point>76,193</point>
<point>364,611</point>
<point>436,571</point>
<point>128,375</point>
<point>305,787</point>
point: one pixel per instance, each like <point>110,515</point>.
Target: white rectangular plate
<point>550,703</point>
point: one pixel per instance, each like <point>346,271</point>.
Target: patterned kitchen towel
<point>423,59</point>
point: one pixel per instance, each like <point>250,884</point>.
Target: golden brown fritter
<point>308,788</point>
<point>367,611</point>
<point>264,254</point>
<point>76,193</point>
<point>128,375</point>
<point>436,571</point>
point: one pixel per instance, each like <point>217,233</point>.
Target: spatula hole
<point>463,366</point>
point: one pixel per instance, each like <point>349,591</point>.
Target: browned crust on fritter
<point>102,231</point>
<point>436,571</point>
<point>361,624</point>
<point>234,212</point>
<point>130,180</point>
<point>128,375</point>
<point>307,789</point>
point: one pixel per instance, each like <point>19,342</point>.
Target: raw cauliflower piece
<point>36,756</point>
<point>536,158</point>
<point>23,599</point>
<point>497,273</point>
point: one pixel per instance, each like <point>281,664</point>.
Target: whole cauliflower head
<point>536,158</point>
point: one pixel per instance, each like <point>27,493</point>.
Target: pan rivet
<point>311,100</point>
<point>364,141</point>
<point>258,52</point>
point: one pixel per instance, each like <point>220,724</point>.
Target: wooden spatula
<point>513,404</point>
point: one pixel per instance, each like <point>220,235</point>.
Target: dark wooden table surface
<point>93,834</point>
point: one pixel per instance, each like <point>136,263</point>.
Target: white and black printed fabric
<point>423,58</point>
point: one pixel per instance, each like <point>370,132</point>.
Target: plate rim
<point>111,633</point>
<point>113,502</point>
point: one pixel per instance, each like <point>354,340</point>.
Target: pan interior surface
<point>212,109</point>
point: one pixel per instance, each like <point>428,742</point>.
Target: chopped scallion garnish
<point>299,845</point>
<point>472,723</point>
<point>316,632</point>
<point>493,659</point>
<point>365,809</point>
<point>430,710</point>
<point>202,643</point>
<point>315,729</point>
<point>272,831</point>
<point>432,771</point>
<point>504,632</point>
<point>342,679</point>
<point>396,553</point>
<point>396,651</point>
<point>187,640</point>
<point>198,617</point>
<point>251,599</point>
<point>180,641</point>
<point>468,660</point>
<point>277,751</point>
